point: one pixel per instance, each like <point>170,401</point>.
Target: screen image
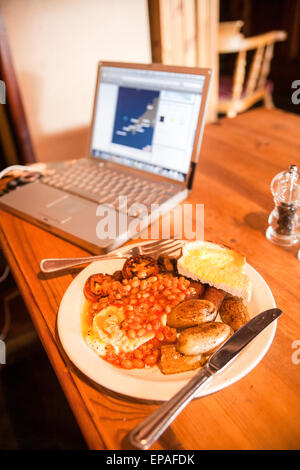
<point>147,119</point>
<point>135,118</point>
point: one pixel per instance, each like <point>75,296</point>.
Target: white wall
<point>56,45</point>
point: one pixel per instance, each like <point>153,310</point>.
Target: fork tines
<point>165,247</point>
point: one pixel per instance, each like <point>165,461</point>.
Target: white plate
<point>151,384</point>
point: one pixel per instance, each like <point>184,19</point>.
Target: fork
<point>154,249</point>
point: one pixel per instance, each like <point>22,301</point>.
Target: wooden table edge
<point>81,413</point>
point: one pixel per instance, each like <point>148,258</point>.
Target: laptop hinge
<point>191,176</point>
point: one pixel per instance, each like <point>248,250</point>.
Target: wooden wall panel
<point>187,31</point>
<point>190,32</point>
<point>207,47</point>
<point>17,137</point>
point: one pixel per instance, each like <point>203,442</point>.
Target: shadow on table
<point>72,271</point>
<point>257,221</point>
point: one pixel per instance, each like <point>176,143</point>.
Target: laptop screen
<point>147,119</point>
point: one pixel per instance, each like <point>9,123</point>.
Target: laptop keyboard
<point>96,182</point>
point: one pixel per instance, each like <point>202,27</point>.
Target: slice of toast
<point>216,265</point>
<point>173,362</point>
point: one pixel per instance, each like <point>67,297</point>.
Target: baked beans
<point>145,304</point>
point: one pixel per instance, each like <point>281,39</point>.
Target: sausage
<point>216,296</point>
<point>202,339</point>
<point>191,313</point>
<point>199,290</point>
<point>234,313</point>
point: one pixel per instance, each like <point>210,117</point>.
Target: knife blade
<point>147,432</point>
<point>233,346</point>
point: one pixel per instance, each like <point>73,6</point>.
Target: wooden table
<point>238,160</point>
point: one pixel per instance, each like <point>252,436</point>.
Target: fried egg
<point>106,331</point>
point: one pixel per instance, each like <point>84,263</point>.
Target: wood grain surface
<point>239,158</point>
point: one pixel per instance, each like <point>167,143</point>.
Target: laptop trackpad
<point>63,209</point>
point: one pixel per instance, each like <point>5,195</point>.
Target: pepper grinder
<point>284,221</point>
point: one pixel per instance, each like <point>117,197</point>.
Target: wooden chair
<point>230,30</point>
<point>239,93</point>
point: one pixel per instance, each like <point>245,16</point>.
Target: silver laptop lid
<point>150,118</point>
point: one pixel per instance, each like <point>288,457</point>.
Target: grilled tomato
<point>140,267</point>
<point>97,286</point>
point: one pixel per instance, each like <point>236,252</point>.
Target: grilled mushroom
<point>140,267</point>
<point>167,264</point>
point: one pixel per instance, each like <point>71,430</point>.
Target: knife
<point>147,432</point>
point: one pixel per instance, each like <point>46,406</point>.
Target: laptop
<point>144,143</point>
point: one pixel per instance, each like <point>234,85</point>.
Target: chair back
<point>246,90</point>
<point>230,34</point>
